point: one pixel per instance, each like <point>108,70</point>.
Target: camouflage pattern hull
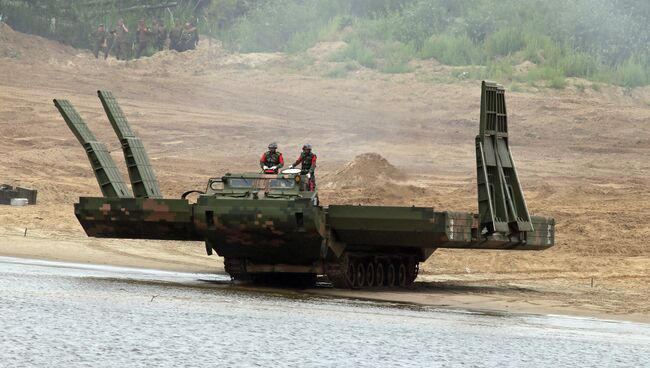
<point>137,218</point>
<point>264,231</point>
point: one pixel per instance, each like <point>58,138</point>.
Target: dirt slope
<point>582,154</point>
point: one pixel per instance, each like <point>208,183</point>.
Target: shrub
<point>557,82</point>
<point>451,50</point>
<point>395,57</point>
<point>358,52</point>
<point>577,64</point>
<point>338,71</point>
<point>504,42</point>
<point>631,73</point>
<point>282,25</point>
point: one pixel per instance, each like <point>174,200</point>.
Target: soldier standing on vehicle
<point>271,161</point>
<point>99,40</point>
<point>143,38</point>
<point>121,40</point>
<point>308,160</point>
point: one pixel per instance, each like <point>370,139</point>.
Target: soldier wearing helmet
<point>307,159</point>
<point>271,160</point>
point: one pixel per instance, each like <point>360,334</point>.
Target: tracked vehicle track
<point>360,271</point>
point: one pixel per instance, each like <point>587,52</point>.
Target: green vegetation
<point>518,42</point>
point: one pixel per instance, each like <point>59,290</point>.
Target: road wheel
<point>401,275</point>
<point>350,274</point>
<point>379,274</point>
<point>390,275</point>
<point>370,274</point>
<point>415,269</point>
<point>360,276</point>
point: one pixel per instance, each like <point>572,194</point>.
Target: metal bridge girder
<point>502,206</point>
<point>110,181</point>
<point>143,178</point>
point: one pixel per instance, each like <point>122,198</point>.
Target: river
<point>71,315</point>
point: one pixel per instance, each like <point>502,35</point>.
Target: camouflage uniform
<point>122,41</point>
<point>110,42</point>
<point>175,37</point>
<point>160,36</point>
<point>99,40</point>
<point>307,159</point>
<point>189,38</point>
<point>270,159</point>
<point>143,38</point>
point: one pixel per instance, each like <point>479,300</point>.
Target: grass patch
<point>451,50</point>
<point>342,70</point>
<point>631,73</point>
<point>504,42</point>
<point>358,52</point>
<point>558,82</point>
<point>397,69</point>
<point>516,87</point>
<point>301,62</point>
<point>395,58</point>
<point>339,71</point>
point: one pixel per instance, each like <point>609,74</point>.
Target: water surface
<point>67,315</point>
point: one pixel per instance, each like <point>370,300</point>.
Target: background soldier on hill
<point>99,41</point>
<point>175,37</point>
<point>143,38</point>
<point>121,41</point>
<point>110,43</point>
<point>189,37</point>
<point>160,35</point>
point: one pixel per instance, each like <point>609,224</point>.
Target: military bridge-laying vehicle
<point>266,227</point>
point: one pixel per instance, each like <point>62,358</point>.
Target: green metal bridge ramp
<point>143,178</point>
<point>109,178</point>
<point>502,206</point>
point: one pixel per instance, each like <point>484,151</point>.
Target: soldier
<point>194,40</point>
<point>143,38</point>
<point>271,161</point>
<point>99,38</point>
<point>175,37</point>
<point>110,43</point>
<point>308,161</point>
<point>189,37</point>
<point>161,36</point>
<point>121,41</point>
